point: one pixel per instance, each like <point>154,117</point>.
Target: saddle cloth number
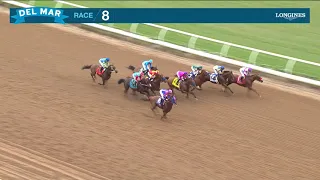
<point>175,82</point>
<point>133,84</point>
<point>213,78</point>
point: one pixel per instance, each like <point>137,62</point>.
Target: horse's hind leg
<point>126,88</point>
<point>93,76</point>
<point>194,95</point>
<point>164,116</point>
<point>226,87</point>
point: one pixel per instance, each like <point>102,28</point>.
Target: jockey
<point>152,74</point>
<point>164,94</point>
<point>182,75</point>
<point>245,71</point>
<point>195,69</point>
<point>104,62</point>
<point>218,69</point>
<point>146,65</point>
<point>137,76</point>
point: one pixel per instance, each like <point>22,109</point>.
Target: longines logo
<point>290,16</point>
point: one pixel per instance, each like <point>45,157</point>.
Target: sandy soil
<point>51,106</point>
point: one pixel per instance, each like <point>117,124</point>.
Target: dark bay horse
<point>187,86</point>
<point>95,69</point>
<point>156,81</point>
<point>223,80</point>
<point>247,82</point>
<point>166,106</point>
<point>142,87</point>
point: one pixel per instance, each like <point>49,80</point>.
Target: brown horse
<point>156,81</point>
<point>247,82</point>
<point>201,78</point>
<point>223,79</point>
<point>142,87</point>
<point>166,106</point>
<point>96,69</point>
<point>187,86</point>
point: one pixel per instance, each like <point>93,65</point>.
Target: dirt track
<point>51,106</point>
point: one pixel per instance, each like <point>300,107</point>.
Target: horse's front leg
<point>103,82</point>
<point>227,87</point>
<point>154,107</point>
<point>254,91</point>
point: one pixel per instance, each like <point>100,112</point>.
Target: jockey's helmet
<point>222,68</point>
<point>150,61</point>
<point>249,69</point>
<point>170,91</point>
<point>107,59</point>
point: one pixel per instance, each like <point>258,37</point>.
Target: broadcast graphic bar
<point>159,15</point>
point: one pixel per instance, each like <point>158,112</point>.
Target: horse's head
<point>112,68</point>
<point>162,78</point>
<point>257,77</point>
<point>154,68</point>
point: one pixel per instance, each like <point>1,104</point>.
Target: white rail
<point>226,45</point>
<point>188,50</point>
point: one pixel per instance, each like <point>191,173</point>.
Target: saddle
<point>214,78</point>
<point>239,81</point>
<point>100,70</point>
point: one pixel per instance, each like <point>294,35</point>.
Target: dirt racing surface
<point>57,124</point>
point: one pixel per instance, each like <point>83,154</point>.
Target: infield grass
<point>296,40</point>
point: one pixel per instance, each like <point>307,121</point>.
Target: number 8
<point>105,15</point>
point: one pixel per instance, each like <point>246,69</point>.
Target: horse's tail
<point>132,68</point>
<point>86,67</point>
<point>121,81</point>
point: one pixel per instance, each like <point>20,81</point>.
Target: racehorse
<point>223,79</point>
<point>142,87</point>
<point>201,78</point>
<point>166,106</point>
<point>96,69</point>
<point>187,86</point>
<point>247,82</point>
<point>156,81</point>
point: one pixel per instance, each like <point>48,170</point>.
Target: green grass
<point>296,40</point>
